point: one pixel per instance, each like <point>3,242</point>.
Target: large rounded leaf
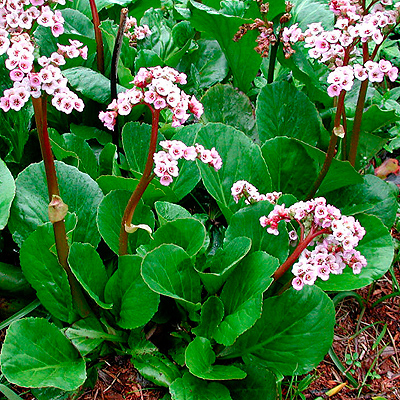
<point>80,192</point>
<point>122,289</point>
<point>169,271</point>
<point>36,354</point>
<point>110,213</point>
<point>246,222</point>
<point>42,270</point>
<point>282,110</point>
<point>376,246</point>
<point>374,197</point>
<point>7,193</point>
<point>191,388</point>
<point>200,360</point>
<point>293,334</point>
<point>89,270</point>
<point>242,295</point>
<point>242,160</point>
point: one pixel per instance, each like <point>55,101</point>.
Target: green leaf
<point>107,160</point>
<point>90,132</point>
<point>89,270</point>
<point>374,197</point>
<point>212,313</point>
<point>136,141</point>
<point>86,334</point>
<point>188,233</point>
<point>246,223</point>
<point>84,6</point>
<point>91,84</point>
<point>242,59</point>
<point>10,394</point>
<point>36,354</point>
<point>200,358</point>
<point>192,388</point>
<point>189,175</point>
<point>7,193</point>
<point>30,206</point>
<point>209,61</point>
<point>218,267</point>
<point>12,280</point>
<point>108,183</point>
<point>293,334</point>
<point>109,217</point>
<point>242,160</point>
<point>157,368</point>
<point>223,103</point>
<point>242,295</point>
<point>15,126</point>
<point>376,247</point>
<point>260,383</point>
<point>294,170</point>
<point>122,289</point>
<point>68,145</point>
<point>42,270</point>
<point>168,270</point>
<point>170,212</point>
<point>308,11</point>
<point>282,110</point>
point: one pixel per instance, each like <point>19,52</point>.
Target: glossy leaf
<point>282,110</point>
<point>109,218</point>
<point>218,267</point>
<point>36,354</point>
<point>157,368</point>
<point>200,360</point>
<point>223,103</point>
<point>260,383</point>
<point>42,270</point>
<point>89,270</point>
<point>308,11</point>
<point>132,310</point>
<point>293,334</point>
<point>376,247</point>
<point>12,280</point>
<point>246,223</point>
<point>78,191</point>
<point>212,313</point>
<point>242,59</point>
<point>7,193</point>
<point>374,197</point>
<point>170,212</point>
<point>242,295</point>
<point>191,388</point>
<point>242,160</point>
<point>168,270</point>
<point>188,233</point>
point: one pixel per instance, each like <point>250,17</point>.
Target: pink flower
<point>393,73</point>
<point>166,179</point>
<point>334,90</point>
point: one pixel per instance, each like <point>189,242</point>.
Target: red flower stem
<point>355,137</point>
<point>298,250</point>
<point>98,36</point>
<point>142,185</point>
<point>60,236</point>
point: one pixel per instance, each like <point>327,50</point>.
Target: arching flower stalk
<point>157,88</point>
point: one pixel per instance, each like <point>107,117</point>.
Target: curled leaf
<point>133,228</point>
<point>57,209</point>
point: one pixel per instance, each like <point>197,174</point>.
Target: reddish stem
<point>60,236</point>
<point>98,36</point>
<point>298,250</point>
<point>142,185</point>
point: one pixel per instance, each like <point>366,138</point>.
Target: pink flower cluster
<point>335,247</point>
<point>48,79</point>
<point>19,15</point>
<point>166,161</point>
<point>157,87</point>
<point>352,27</point>
<point>250,193</point>
<point>139,31</point>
